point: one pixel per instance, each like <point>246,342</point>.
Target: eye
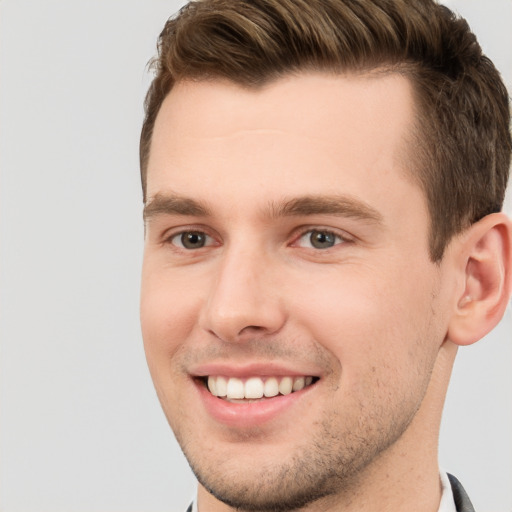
<point>319,239</point>
<point>191,240</point>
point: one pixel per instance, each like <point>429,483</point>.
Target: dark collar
<point>462,502</point>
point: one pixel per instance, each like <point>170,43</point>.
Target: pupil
<point>322,239</point>
<point>192,240</point>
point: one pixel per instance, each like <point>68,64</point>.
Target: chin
<point>271,479</point>
<point>266,489</point>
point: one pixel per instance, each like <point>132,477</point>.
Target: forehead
<point>305,104</point>
<point>305,134</point>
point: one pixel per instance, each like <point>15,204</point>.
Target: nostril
<point>253,328</point>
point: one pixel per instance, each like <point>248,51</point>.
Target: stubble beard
<point>331,465</point>
<point>332,462</point>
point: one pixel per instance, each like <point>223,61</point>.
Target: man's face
<point>287,245</point>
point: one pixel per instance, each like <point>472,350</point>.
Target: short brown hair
<point>462,145</point>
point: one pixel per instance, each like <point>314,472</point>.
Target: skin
<point>369,316</point>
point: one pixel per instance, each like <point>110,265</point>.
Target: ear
<point>485,262</point>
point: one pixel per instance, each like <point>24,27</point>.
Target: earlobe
<point>486,264</point>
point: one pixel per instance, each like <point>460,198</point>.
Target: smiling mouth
<point>255,388</point>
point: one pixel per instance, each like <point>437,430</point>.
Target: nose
<point>244,298</point>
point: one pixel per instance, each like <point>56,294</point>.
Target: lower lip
<point>250,414</point>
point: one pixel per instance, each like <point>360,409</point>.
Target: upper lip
<point>259,369</point>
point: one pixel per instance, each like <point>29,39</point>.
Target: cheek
<point>167,318</point>
<point>369,319</point>
<point>383,343</point>
<point>167,315</point>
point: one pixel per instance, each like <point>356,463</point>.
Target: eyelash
<point>168,239</point>
<point>339,238</point>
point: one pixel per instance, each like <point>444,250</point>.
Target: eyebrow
<point>338,205</point>
<point>174,204</point>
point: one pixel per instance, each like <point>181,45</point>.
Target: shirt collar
<point>447,503</point>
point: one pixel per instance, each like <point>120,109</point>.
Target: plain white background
<point>80,426</point>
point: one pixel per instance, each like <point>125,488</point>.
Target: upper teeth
<point>255,387</point>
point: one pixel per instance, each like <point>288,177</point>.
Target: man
<point>323,183</point>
